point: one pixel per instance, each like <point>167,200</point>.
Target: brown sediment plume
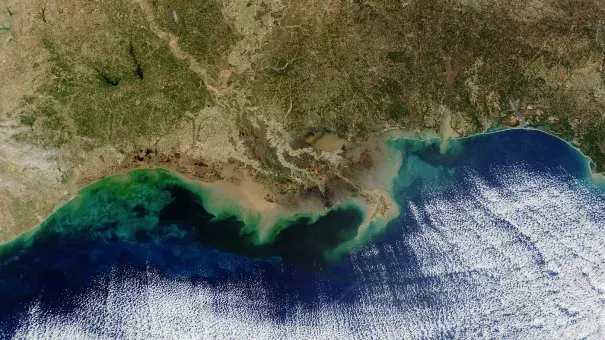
<point>447,131</point>
<point>364,180</point>
<point>330,142</point>
<point>247,201</point>
<point>360,176</point>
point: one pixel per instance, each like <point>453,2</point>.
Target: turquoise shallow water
<point>154,205</point>
<point>500,236</point>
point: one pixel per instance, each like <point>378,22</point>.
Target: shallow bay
<point>502,229</point>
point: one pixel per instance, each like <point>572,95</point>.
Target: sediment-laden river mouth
<point>498,235</point>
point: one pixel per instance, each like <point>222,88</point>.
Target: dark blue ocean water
<point>503,235</point>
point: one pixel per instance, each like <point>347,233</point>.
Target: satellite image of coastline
<point>302,169</point>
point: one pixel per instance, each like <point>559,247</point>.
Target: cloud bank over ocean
<point>500,235</point>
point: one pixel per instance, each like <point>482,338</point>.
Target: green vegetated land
<point>372,64</point>
<point>355,67</point>
<point>111,80</point>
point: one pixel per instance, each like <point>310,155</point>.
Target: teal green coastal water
<point>157,204</point>
<point>508,225</point>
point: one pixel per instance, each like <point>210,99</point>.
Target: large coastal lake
<point>500,235</point>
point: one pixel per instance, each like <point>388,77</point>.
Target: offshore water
<point>503,235</point>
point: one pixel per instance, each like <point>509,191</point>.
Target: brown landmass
<point>286,94</point>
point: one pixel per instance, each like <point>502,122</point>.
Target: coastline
<point>264,220</point>
<point>426,135</point>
